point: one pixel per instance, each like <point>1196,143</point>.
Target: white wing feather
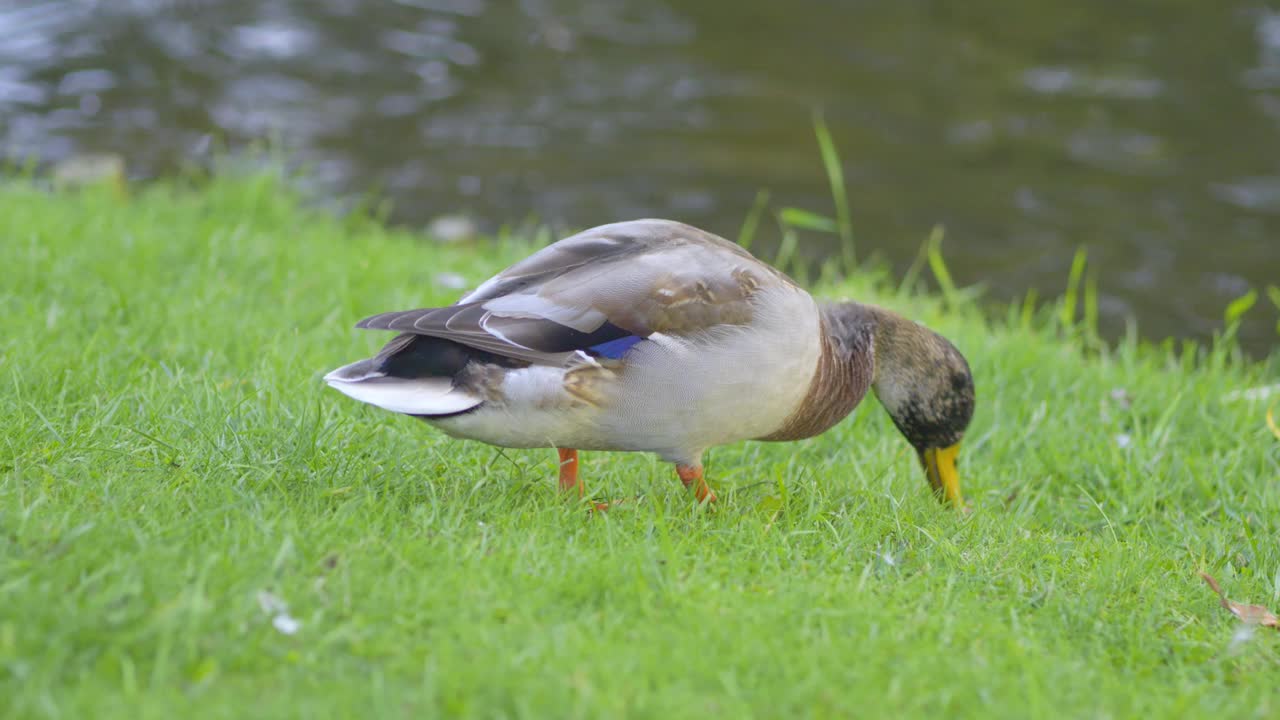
<point>418,396</point>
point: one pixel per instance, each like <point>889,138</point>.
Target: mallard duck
<point>655,336</point>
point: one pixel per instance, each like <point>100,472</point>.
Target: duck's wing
<point>598,291</point>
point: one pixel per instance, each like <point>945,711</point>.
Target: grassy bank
<point>172,470</point>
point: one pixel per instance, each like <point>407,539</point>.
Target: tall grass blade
<point>839,195</point>
<point>1273,292</point>
<point>747,233</point>
<point>1091,308</point>
<point>1238,307</point>
<point>939,266</point>
<point>912,275</point>
<point>1072,295</point>
<point>787,248</point>
<point>1029,308</point>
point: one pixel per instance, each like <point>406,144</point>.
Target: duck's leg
<point>569,480</point>
<point>691,476</point>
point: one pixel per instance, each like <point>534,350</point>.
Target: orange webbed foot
<point>691,476</point>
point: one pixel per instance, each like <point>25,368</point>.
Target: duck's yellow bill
<point>940,468</point>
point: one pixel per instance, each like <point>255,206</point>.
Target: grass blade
<point>835,178</point>
<point>1071,297</point>
<point>787,248</point>
<point>1238,307</point>
<point>1028,309</point>
<point>912,274</point>
<point>939,266</point>
<point>1091,307</point>
<point>747,233</point>
<point>805,220</point>
<point>1273,292</point>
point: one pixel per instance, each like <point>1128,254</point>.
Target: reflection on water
<point>1147,131</point>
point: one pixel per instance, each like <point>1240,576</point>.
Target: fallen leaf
<point>1249,614</point>
<point>278,609</point>
<point>286,624</point>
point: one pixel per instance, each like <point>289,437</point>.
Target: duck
<point>656,336</point>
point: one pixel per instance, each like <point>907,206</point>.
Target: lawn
<point>193,525</point>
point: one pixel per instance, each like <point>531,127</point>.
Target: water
<point>1148,132</point>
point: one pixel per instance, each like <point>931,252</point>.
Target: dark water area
<point>1147,132</point>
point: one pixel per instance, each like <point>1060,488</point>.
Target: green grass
<point>169,452</point>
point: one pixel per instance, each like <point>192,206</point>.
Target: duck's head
<point>920,378</point>
<point>925,384</point>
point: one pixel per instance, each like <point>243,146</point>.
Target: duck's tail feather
<point>428,396</point>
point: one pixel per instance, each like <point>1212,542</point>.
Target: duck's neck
<point>846,367</point>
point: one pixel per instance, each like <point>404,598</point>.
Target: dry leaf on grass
<point>1249,614</point>
<point>278,609</point>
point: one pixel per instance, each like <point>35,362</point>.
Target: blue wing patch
<point>615,349</point>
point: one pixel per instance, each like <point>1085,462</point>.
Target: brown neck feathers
<point>845,369</point>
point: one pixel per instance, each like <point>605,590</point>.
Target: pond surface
<point>1147,131</point>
